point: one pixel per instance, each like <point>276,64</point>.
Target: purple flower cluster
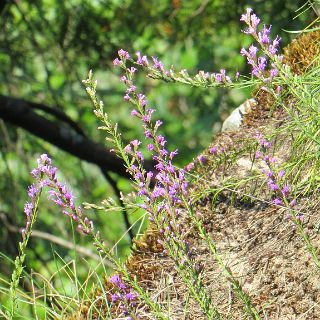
<point>124,297</point>
<point>189,167</point>
<point>30,208</point>
<point>202,159</point>
<point>45,175</point>
<point>158,71</point>
<point>269,48</point>
<point>276,182</point>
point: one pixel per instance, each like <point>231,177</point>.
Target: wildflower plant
<point>269,48</point>
<point>281,193</point>
<point>45,176</point>
<point>156,70</point>
<point>169,198</point>
<point>162,203</point>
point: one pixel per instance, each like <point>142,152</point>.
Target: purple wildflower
<point>142,60</point>
<point>252,51</point>
<point>285,190</point>
<point>251,20</point>
<point>131,89</point>
<point>115,279</point>
<point>159,166</point>
<point>163,153</point>
<point>149,175</point>
<point>277,202</point>
<point>272,185</point>
<point>255,21</point>
<point>115,297</point>
<point>268,173</point>
<point>273,48</point>
<point>171,187</point>
<point>203,75</point>
<point>123,54</point>
<point>264,35</point>
<point>142,99</point>
<point>127,149</point>
<point>147,133</point>
<point>293,203</point>
<point>135,143</point>
<point>146,118</point>
<point>157,64</point>
<point>281,174</point>
<point>28,207</point>
<point>135,113</point>
<point>243,52</point>
<point>161,140</point>
<point>140,156</point>
<point>124,79</point>
<point>116,62</point>
<point>132,70</point>
<point>213,150</point>
<point>218,77</point>
<point>202,159</point>
<point>268,46</point>
<point>158,192</point>
<point>157,125</point>
<point>189,166</point>
<point>32,191</point>
<point>131,296</point>
<point>273,72</point>
<point>173,154</point>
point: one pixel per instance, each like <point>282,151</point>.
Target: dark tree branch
<point>20,113</point>
<point>59,115</point>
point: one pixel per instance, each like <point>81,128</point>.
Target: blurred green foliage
<point>47,48</point>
